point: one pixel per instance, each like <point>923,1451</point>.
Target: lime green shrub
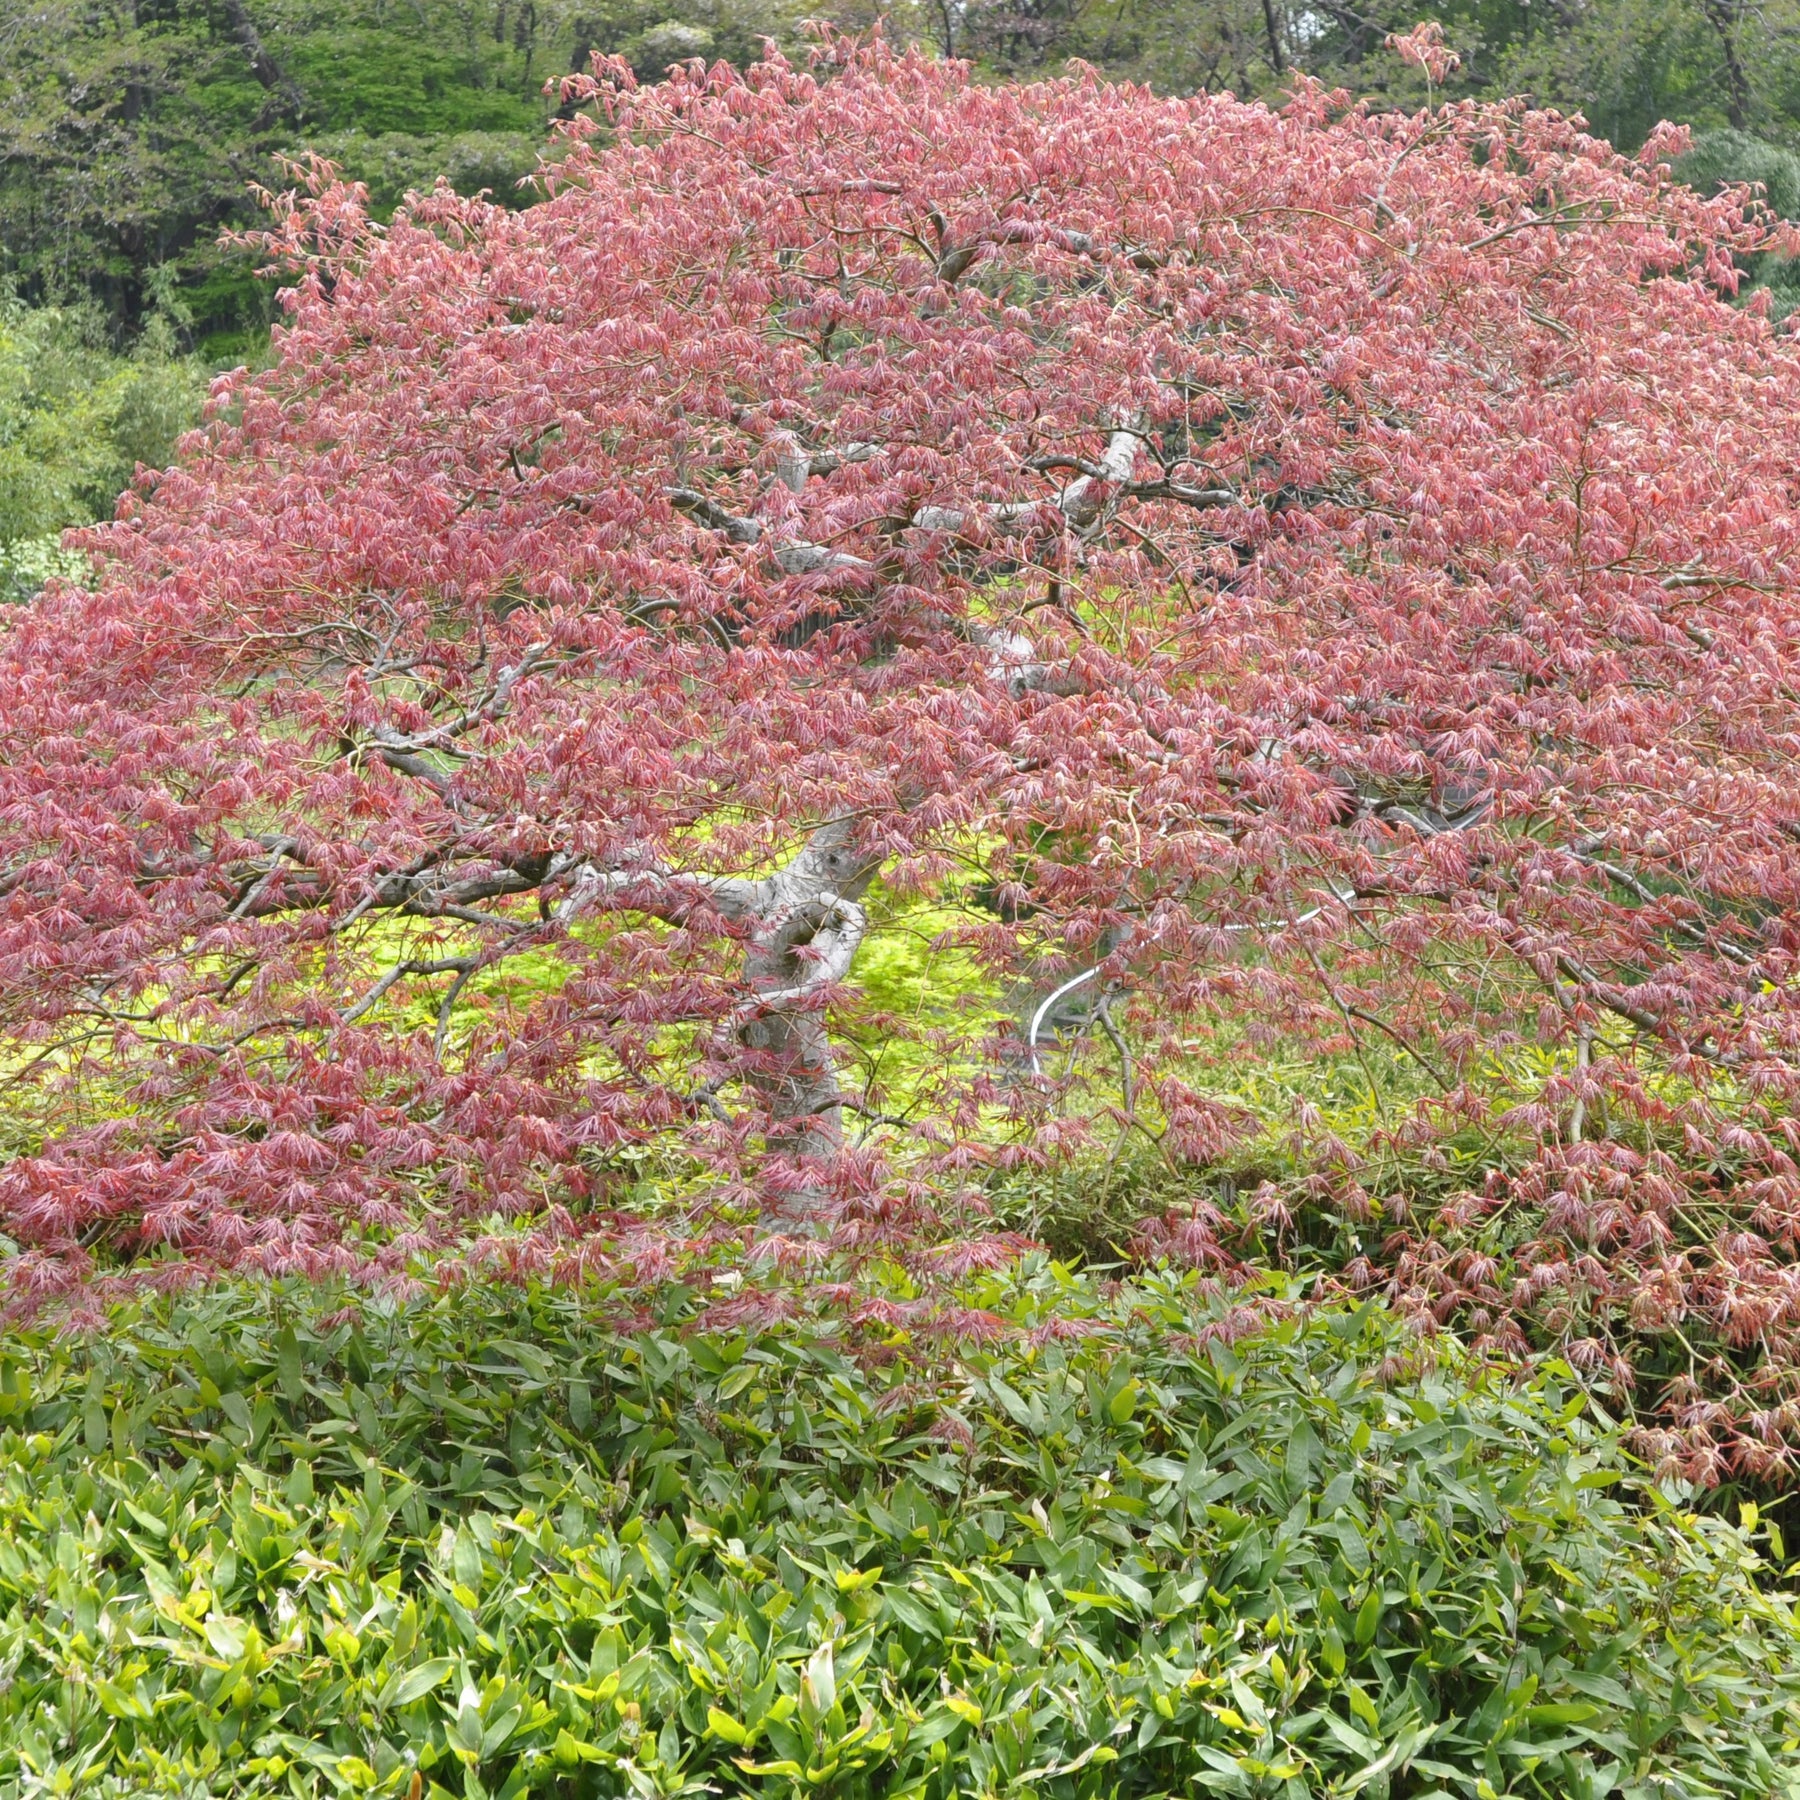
<point>501,1544</point>
<point>76,419</point>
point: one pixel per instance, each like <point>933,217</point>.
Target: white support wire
<point>1075,981</point>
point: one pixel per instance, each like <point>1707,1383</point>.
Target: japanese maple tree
<point>1309,579</point>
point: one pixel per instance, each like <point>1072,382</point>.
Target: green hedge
<point>75,421</point>
<point>492,1544</point>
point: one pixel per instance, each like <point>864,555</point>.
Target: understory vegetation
<point>77,418</point>
<point>1039,1533</point>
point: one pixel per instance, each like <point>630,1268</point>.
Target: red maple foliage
<point>1305,578</point>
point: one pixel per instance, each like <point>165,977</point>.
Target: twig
<point>443,1018</point>
<point>411,966</point>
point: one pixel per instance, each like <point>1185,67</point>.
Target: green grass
<point>622,1542</point>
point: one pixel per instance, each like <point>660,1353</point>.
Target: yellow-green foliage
<point>76,419</point>
<point>486,1545</point>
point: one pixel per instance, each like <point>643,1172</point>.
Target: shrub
<point>1071,1540</point>
<point>76,419</point>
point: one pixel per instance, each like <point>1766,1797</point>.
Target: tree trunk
<point>1725,17</point>
<point>284,96</point>
<point>1275,56</point>
<point>807,929</point>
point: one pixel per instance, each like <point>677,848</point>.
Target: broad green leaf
<point>723,1726</point>
<point>408,1685</point>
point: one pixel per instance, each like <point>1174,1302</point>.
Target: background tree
<point>131,131</point>
<point>1627,64</point>
<point>76,419</point>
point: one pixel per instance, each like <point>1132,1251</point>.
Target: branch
<point>1571,214</point>
<point>833,946</point>
<point>1127,1083</point>
<point>285,98</point>
<point>442,965</point>
<point>1142,490</point>
<point>443,1018</point>
<point>954,260</point>
<point>490,708</point>
<point>250,895</point>
<point>1695,934</point>
<point>663,893</point>
<point>795,557</point>
<point>1080,501</point>
<point>712,515</point>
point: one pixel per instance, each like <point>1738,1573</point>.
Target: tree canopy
<point>1236,578</point>
<point>132,130</point>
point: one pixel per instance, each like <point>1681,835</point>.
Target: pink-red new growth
<point>1331,576</point>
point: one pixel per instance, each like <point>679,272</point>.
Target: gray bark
<point>806,923</point>
<point>805,926</point>
<point>806,936</point>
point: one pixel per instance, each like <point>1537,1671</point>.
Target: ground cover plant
<point>1306,579</point>
<point>1053,1536</point>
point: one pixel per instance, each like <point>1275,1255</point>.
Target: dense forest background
<point>132,133</point>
